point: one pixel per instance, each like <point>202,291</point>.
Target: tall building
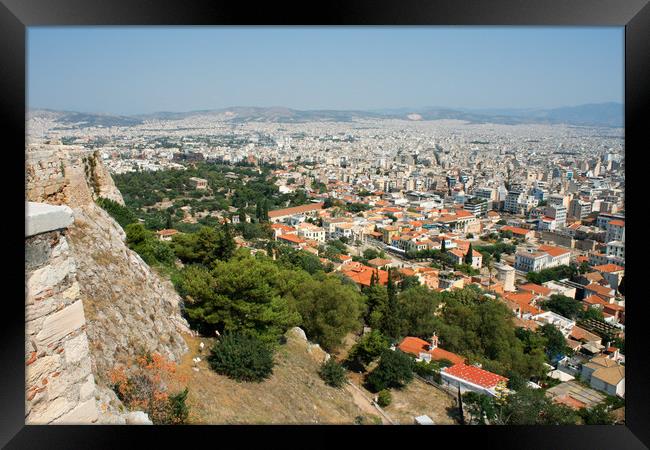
<point>557,212</point>
<point>579,209</point>
<point>512,201</point>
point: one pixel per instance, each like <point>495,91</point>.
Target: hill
<point>294,394</point>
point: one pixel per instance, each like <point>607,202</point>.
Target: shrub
<point>241,357</point>
<point>384,398</point>
<point>179,410</point>
<point>332,373</point>
<point>144,387</point>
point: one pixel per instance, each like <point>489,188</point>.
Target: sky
<point>136,70</point>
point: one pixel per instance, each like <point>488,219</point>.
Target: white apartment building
<point>545,257</point>
<point>310,231</point>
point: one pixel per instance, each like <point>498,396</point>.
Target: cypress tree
<point>468,256</point>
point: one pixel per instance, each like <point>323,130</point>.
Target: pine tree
<point>443,247</point>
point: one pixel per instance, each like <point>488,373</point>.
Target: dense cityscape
<point>489,255</point>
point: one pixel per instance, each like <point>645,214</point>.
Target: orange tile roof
<point>167,232</point>
<point>515,230</point>
<point>415,346</point>
<point>361,274</point>
<point>475,375</point>
<point>295,210</point>
<point>617,223</point>
<point>536,289</point>
<point>553,251</point>
<point>608,268</point>
<point>599,289</point>
<point>292,238</point>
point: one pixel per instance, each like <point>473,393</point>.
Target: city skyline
<point>137,70</point>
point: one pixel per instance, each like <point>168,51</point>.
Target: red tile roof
<point>415,346</point>
<point>475,375</point>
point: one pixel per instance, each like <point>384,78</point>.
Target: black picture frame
<point>16,15</point>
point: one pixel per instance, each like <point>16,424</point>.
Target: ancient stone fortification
<point>88,292</point>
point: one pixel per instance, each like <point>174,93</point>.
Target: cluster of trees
<point>252,192</point>
<point>153,251</point>
<point>400,313</point>
<point>256,295</point>
<point>553,274</point>
<point>481,329</point>
<point>495,251</point>
<point>530,407</point>
<point>571,308</point>
<point>205,246</point>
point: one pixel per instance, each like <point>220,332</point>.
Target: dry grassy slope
<point>294,394</point>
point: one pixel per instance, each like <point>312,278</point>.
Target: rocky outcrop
<point>129,308</point>
<point>67,174</point>
<point>92,303</point>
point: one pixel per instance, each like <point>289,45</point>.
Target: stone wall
<point>60,387</point>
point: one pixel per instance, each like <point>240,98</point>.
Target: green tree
<point>241,357</point>
<point>332,373</point>
<point>369,347</point>
<point>409,282</point>
<point>532,407</point>
<point>244,294</point>
<point>376,304</point>
<point>152,250</point>
<point>481,408</point>
<point>395,369</point>
<point>563,305</point>
<point>555,341</point>
<point>598,415</point>
<point>391,323</point>
<point>329,310</point>
<point>416,309</point>
<point>122,214</point>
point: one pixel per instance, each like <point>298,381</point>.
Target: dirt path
<point>364,404</point>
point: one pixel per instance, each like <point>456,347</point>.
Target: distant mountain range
<point>595,114</point>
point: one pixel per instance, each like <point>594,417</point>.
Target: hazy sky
<point>129,70</point>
